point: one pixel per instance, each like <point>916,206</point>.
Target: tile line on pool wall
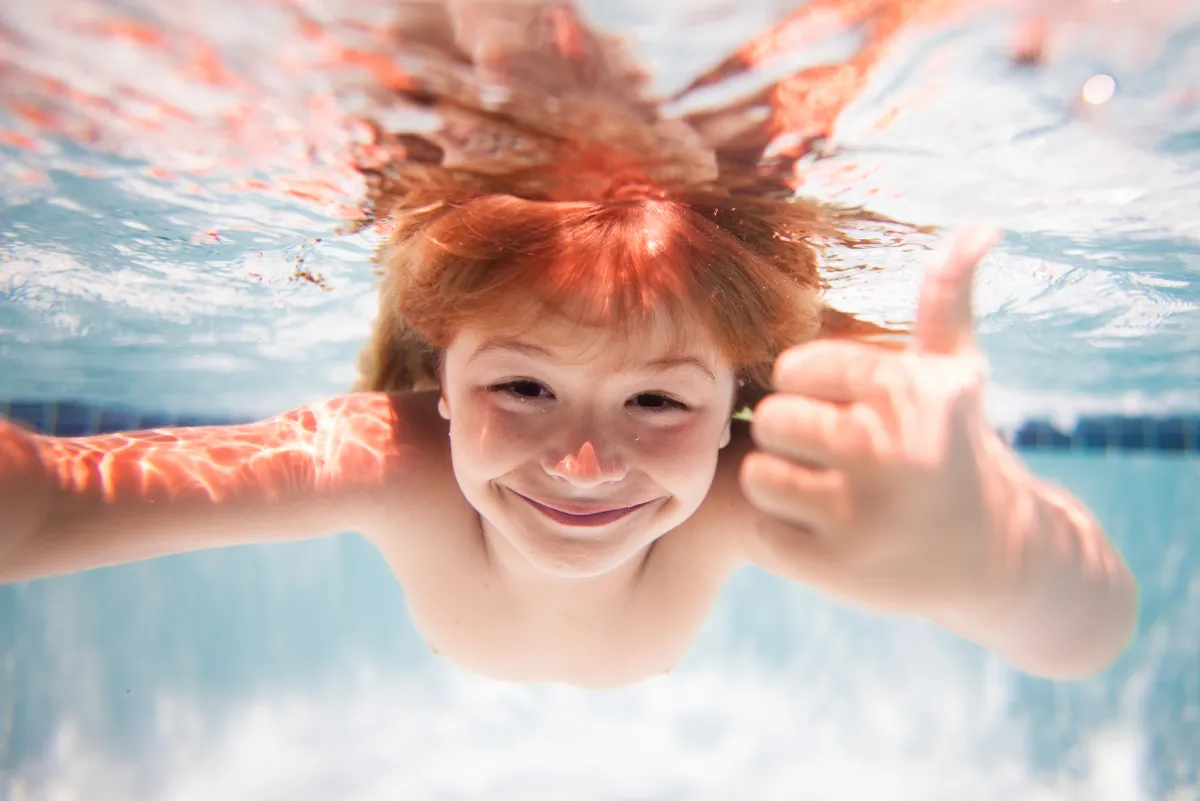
<point>1167,434</point>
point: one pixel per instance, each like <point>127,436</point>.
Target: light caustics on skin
<point>233,118</point>
<point>167,464</point>
<point>308,450</point>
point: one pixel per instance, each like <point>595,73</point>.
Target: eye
<point>657,402</point>
<point>522,388</point>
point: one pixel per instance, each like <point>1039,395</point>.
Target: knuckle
<point>855,447</point>
<point>955,382</point>
<point>875,375</point>
<point>898,374</point>
<point>862,434</point>
<point>774,417</point>
<point>759,472</point>
<point>762,488</point>
<point>773,481</point>
<point>773,474</point>
<point>794,482</point>
<point>791,364</point>
<point>839,502</point>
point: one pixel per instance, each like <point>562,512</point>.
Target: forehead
<point>656,338</point>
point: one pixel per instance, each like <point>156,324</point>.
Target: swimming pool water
<point>291,671</point>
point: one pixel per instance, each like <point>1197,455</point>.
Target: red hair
<point>746,272</point>
<point>553,181</point>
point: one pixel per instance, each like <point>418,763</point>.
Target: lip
<point>582,515</point>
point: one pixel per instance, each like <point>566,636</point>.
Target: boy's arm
<point>1062,602</point>
<point>878,480</point>
<point>74,504</point>
<point>1074,608</point>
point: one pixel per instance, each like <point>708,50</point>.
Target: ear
<point>443,407</point>
<point>727,434</point>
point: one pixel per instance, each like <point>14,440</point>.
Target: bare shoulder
<point>389,457</point>
<point>752,537</point>
<point>727,525</point>
<point>371,463</point>
<point>388,452</point>
<point>715,537</point>
<point>374,434</point>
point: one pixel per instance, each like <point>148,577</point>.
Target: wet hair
<point>570,192</point>
<point>497,262</point>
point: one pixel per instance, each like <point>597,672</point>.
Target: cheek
<point>486,439</point>
<point>685,456</point>
<point>698,433</point>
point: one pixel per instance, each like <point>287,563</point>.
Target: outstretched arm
<point>1069,606</point>
<point>878,480</point>
<point>77,503</point>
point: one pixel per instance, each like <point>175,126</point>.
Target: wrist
<point>1061,602</point>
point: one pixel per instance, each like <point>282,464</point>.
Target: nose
<point>583,467</point>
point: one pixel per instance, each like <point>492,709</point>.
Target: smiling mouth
<point>583,516</point>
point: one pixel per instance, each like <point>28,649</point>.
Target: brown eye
<point>523,389</point>
<point>657,402</point>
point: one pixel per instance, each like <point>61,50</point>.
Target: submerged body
<point>569,504</point>
<point>478,602</point>
<point>576,299</point>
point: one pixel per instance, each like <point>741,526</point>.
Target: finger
<point>808,431</point>
<point>945,320</point>
<point>837,371</point>
<point>800,495</point>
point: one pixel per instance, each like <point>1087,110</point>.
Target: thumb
<point>945,320</point>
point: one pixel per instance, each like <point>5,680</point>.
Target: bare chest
<point>474,617</point>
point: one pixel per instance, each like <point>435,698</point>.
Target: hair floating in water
<point>525,99</point>
<point>524,167</point>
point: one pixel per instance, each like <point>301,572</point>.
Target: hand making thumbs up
<point>876,470</point>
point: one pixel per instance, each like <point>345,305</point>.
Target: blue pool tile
<point>29,415</point>
<point>1093,433</point>
<point>1040,435</point>
<point>192,421</point>
<point>1165,435</point>
<point>1191,434</point>
<point>151,420</point>
<point>74,420</point>
<point>1132,433</point>
<point>1170,434</point>
<point>110,421</point>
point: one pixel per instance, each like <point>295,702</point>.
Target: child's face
<point>580,447</point>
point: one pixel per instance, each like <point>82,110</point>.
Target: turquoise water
<point>292,672</point>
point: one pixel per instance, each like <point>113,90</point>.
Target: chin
<point>570,558</point>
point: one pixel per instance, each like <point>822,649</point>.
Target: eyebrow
<point>656,365</point>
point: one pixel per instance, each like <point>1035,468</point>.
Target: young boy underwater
<point>544,445</point>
